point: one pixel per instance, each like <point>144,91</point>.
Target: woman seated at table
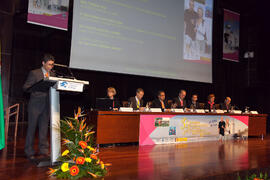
<point>210,105</point>
<point>111,92</point>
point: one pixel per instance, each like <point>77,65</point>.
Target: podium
<point>55,85</point>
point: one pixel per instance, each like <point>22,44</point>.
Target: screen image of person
<point>197,38</point>
<point>38,109</point>
<point>136,102</point>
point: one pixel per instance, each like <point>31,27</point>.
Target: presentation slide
<point>167,39</point>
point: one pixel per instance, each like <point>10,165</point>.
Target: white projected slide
<point>158,38</point>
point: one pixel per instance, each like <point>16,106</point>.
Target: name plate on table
<point>69,86</point>
<point>200,111</point>
<point>126,109</point>
<point>178,110</point>
<point>155,110</point>
<point>254,112</point>
<point>237,112</point>
<point>219,111</point>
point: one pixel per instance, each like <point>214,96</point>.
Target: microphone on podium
<point>63,74</point>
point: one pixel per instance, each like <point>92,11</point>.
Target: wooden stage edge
<point>197,160</point>
<point>123,127</point>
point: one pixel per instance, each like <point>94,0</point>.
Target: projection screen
<point>158,38</point>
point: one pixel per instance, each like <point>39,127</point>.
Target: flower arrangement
<point>80,159</point>
<point>255,177</point>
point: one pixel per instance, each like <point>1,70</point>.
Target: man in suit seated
<point>194,104</point>
<point>160,102</point>
<point>180,102</point>
<point>137,102</point>
<point>38,109</point>
<point>227,104</point>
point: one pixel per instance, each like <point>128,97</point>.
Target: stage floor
<point>178,161</point>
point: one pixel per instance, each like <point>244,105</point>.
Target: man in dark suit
<point>180,102</point>
<point>160,102</point>
<point>227,104</point>
<point>38,108</point>
<point>194,104</point>
<point>137,102</point>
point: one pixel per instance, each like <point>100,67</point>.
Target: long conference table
<point>124,127</point>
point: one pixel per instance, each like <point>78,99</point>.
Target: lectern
<point>58,84</point>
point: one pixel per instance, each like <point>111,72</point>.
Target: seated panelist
<point>111,92</point>
<point>210,105</point>
<point>180,102</point>
<point>160,102</point>
<point>136,102</point>
<point>227,104</point>
<point>194,104</point>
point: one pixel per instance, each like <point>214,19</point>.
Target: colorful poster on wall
<point>50,13</point>
<point>165,129</point>
<point>231,36</point>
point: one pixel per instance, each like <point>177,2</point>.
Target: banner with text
<point>162,129</point>
<point>50,13</point>
<point>231,36</point>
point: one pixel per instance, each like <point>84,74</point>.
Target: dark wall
<point>6,23</point>
<point>229,78</point>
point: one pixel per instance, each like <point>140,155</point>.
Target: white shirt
<point>200,35</point>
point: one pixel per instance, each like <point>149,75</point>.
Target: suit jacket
<point>133,103</point>
<point>34,77</point>
<point>157,104</point>
<point>178,103</point>
<point>116,102</point>
<point>224,107</point>
<point>207,106</point>
<point>193,106</point>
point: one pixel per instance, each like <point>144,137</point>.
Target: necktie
<point>138,104</point>
<point>46,75</point>
<point>181,102</point>
<point>162,105</point>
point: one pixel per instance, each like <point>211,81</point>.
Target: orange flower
<point>70,124</point>
<point>51,171</point>
<point>74,170</point>
<point>83,144</point>
<point>66,141</point>
<point>80,160</point>
<point>95,176</point>
<point>93,156</point>
<point>108,164</point>
<point>82,125</point>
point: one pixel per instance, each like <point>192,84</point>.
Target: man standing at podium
<point>38,109</point>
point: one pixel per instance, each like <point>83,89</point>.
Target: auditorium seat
<point>217,106</point>
<point>201,105</point>
<point>125,103</point>
<point>170,102</point>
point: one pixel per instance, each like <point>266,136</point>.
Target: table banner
<point>164,129</point>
